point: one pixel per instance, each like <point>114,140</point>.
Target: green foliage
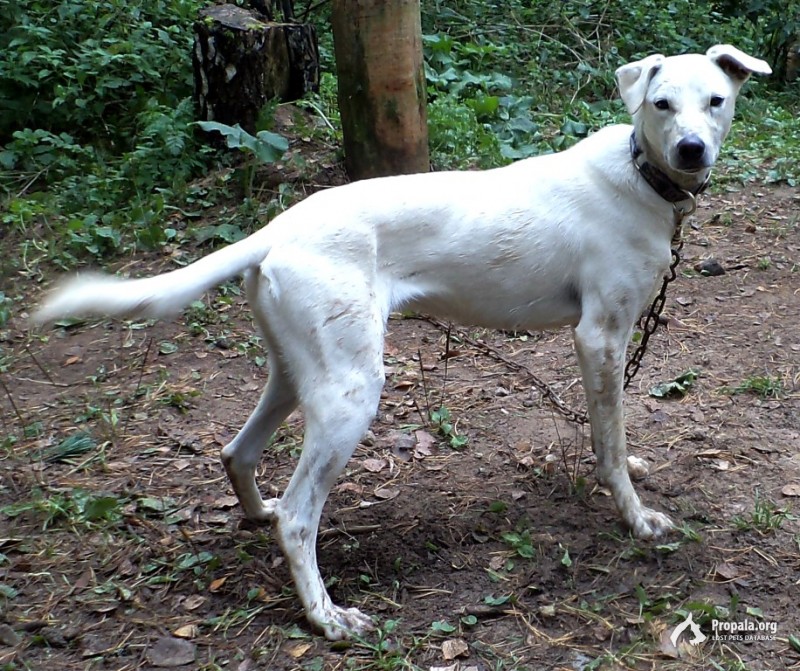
<point>766,517</point>
<point>66,67</point>
<point>75,509</point>
<point>442,419</point>
<point>265,147</point>
<point>95,121</point>
<point>765,386</point>
<point>776,26</point>
<point>457,139</point>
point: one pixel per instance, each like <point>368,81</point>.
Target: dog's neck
<point>674,189</point>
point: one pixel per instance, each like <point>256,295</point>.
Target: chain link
<point>650,322</point>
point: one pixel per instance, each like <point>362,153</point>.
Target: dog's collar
<point>663,185</point>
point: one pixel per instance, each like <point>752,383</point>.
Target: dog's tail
<point>95,294</point>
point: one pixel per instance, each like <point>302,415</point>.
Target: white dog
<point>580,238</point>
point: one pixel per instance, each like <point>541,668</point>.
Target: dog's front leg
<point>600,344</point>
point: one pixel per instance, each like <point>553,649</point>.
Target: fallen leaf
<point>403,445</point>
<point>297,651</point>
<point>547,611</point>
<point>666,646</point>
<point>386,493</point>
<point>171,652</point>
<point>674,388</point>
<point>226,502</point>
<point>194,601</point>
<point>726,571</point>
<point>351,488</point>
<point>454,647</point>
<point>425,444</point>
<point>217,584</point>
<point>374,465</point>
<point>791,490</point>
<point>187,631</point>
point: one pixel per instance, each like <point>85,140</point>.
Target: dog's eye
<point>662,104</point>
<point>716,101</point>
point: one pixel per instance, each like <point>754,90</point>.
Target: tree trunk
<point>242,62</point>
<point>378,45</point>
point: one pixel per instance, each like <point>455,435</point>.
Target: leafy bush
<point>96,119</point>
<point>66,66</point>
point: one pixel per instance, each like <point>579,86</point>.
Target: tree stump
<point>241,62</point>
<point>382,93</point>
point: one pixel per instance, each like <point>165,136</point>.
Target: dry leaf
<point>170,652</point>
<point>226,502</point>
<point>351,488</point>
<point>425,441</point>
<point>194,601</point>
<point>403,445</point>
<point>665,644</point>
<point>216,584</point>
<point>187,631</point>
<point>386,493</point>
<point>297,651</point>
<point>454,647</point>
<point>726,571</point>
<point>374,465</point>
<point>791,490</point>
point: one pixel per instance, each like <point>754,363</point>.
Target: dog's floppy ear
<point>737,64</point>
<point>634,78</point>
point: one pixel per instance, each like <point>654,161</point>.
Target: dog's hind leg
<point>242,455</point>
<point>328,325</point>
<point>600,345</point>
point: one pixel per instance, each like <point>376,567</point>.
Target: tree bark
<point>382,95</point>
<point>241,62</point>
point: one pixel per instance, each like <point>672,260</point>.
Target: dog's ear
<point>737,64</point>
<point>634,78</point>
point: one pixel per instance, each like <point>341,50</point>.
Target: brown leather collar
<point>659,181</point>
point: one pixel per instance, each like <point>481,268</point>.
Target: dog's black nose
<point>691,150</point>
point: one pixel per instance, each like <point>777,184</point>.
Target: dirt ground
<point>123,547</point>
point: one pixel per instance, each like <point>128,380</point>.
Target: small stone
<point>8,636</point>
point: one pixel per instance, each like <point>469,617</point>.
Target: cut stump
<point>241,62</point>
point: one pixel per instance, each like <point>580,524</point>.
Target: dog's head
<point>682,106</point>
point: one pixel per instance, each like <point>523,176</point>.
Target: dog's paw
<point>638,468</point>
<point>341,623</point>
<point>650,524</point>
<point>262,513</point>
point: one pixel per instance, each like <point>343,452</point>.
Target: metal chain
<point>650,322</point>
<point>579,417</point>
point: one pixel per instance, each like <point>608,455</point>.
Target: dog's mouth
<point>693,171</point>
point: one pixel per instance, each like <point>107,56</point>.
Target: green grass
<point>765,518</point>
<point>764,386</point>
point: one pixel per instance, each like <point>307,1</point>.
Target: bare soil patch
<point>501,554</point>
